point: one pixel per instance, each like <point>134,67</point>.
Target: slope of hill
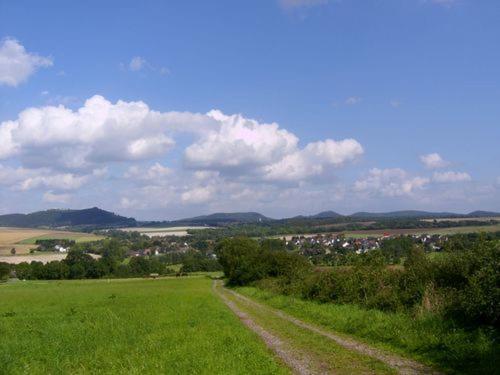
<point>326,215</point>
<point>221,218</point>
<point>90,217</point>
<point>403,214</point>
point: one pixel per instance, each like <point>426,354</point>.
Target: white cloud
<point>156,172</point>
<point>451,176</point>
<point>23,179</point>
<point>245,147</point>
<point>51,197</point>
<point>66,181</point>
<point>433,161</point>
<point>137,63</point>
<point>391,182</point>
<point>96,133</point>
<point>16,64</point>
<point>239,142</point>
<point>198,195</point>
<point>313,160</point>
<point>353,100</point>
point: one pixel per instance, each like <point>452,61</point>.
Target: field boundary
<point>401,364</point>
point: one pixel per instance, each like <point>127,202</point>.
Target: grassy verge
<point>125,326</point>
<point>429,338</point>
<point>325,355</point>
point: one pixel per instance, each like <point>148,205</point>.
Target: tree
<point>4,271</point>
<point>241,259</point>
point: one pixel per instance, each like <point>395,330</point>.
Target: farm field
<point>381,232</point>
<point>132,326</point>
<point>162,232</point>
<point>23,239</point>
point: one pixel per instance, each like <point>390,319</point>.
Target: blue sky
<point>345,105</point>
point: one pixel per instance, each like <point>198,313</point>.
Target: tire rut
<point>298,364</point>
<point>402,365</point>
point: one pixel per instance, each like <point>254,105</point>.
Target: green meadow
<point>133,326</point>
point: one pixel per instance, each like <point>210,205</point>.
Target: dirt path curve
<point>298,364</point>
<point>402,365</point>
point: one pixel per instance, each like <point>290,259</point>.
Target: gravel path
<point>298,364</point>
<point>402,365</point>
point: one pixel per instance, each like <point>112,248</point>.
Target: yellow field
<point>23,239</point>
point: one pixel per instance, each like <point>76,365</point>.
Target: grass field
<point>428,339</point>
<point>23,239</point>
<point>175,326</point>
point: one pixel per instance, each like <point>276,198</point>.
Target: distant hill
<point>421,214</point>
<point>222,218</point>
<point>402,214</point>
<point>326,215</point>
<point>483,214</point>
<point>90,217</point>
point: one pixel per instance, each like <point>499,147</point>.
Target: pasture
<point>23,239</point>
<point>132,326</point>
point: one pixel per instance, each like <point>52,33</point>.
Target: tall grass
<point>124,326</point>
<point>428,338</point>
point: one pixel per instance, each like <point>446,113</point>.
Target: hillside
<point>222,218</point>
<point>90,217</point>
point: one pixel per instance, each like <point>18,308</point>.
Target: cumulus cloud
<point>314,159</point>
<point>156,172</point>
<point>58,149</point>
<point>16,64</point>
<point>24,179</point>
<point>98,132</point>
<point>451,176</point>
<point>391,182</point>
<point>245,146</point>
<point>239,142</point>
<point>433,161</point>
<point>198,195</point>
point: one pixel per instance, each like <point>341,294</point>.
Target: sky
<point>164,110</point>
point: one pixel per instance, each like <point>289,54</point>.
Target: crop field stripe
<point>402,365</point>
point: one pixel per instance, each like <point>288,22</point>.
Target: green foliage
<point>396,248</point>
<point>245,260</point>
<point>4,271</point>
<point>430,338</point>
<point>197,262</point>
<point>242,260</point>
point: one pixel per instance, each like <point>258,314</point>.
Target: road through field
<point>398,364</point>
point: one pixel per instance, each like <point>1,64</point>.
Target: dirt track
<point>298,364</point>
<point>402,365</point>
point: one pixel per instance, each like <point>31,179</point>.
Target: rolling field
<point>23,239</point>
<point>125,326</point>
<point>162,232</point>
